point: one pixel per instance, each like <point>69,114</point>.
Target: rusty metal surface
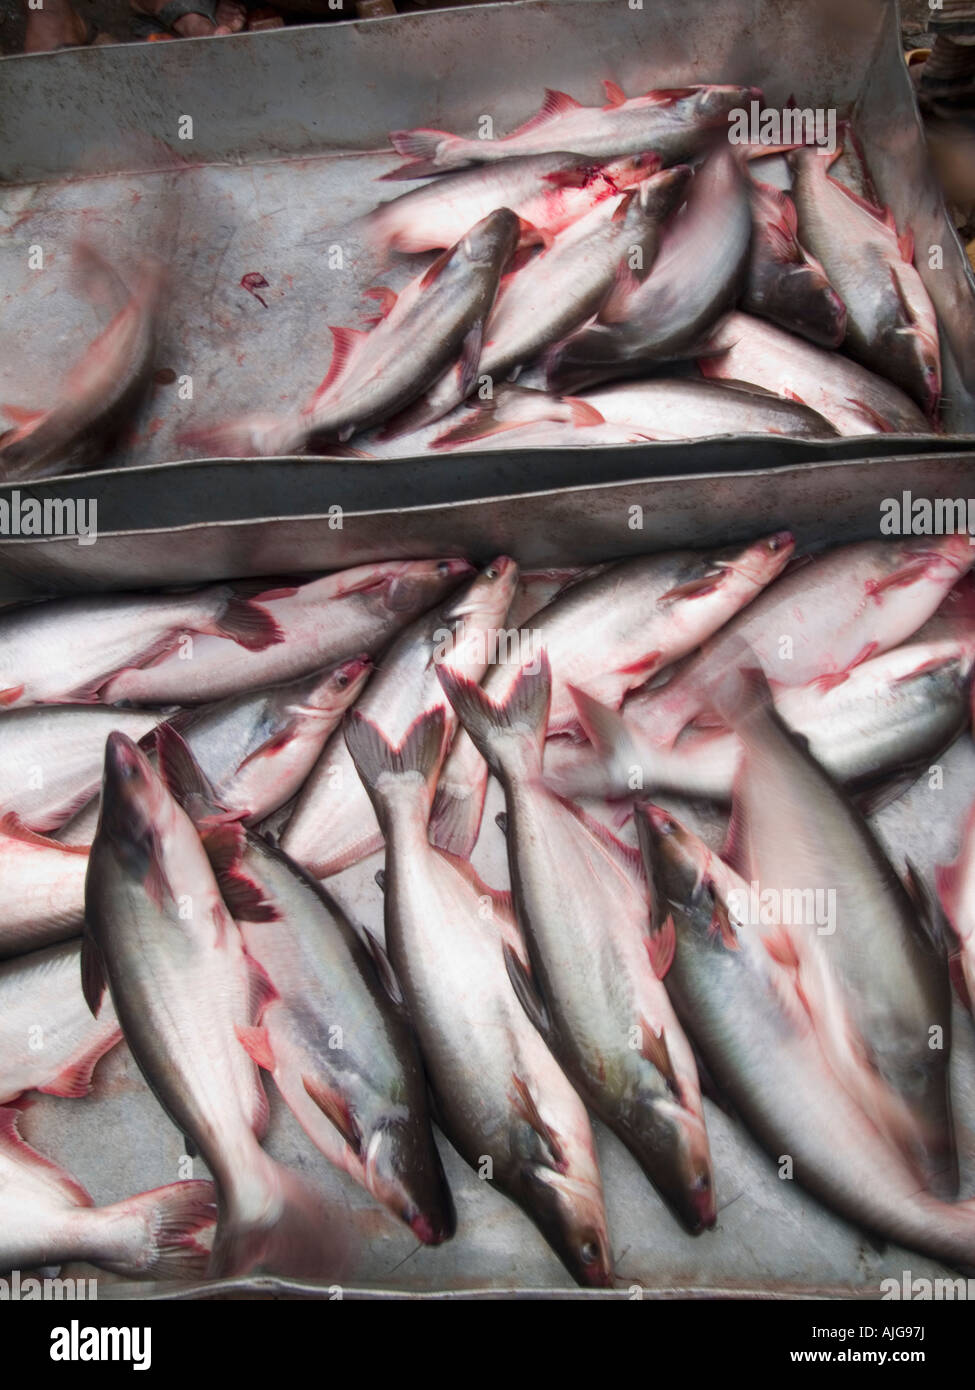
<point>289,133</point>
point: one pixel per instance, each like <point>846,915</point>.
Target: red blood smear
<point>252,282</point>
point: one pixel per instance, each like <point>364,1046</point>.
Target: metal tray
<point>772,1240</point>
<point>290,130</point>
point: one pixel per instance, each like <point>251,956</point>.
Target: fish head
<point>417,585</point>
<point>491,242</point>
<point>569,1212</point>
<point>711,105</point>
<point>332,691</point>
<point>760,561</point>
<point>489,595</point>
<point>404,1172</point>
<point>136,807</point>
<point>663,191</point>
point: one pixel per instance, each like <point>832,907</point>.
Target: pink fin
<point>528,1110</point>
<point>385,296</point>
<point>75,1080</point>
<point>905,245</point>
<point>12,826</point>
<point>11,694</point>
<point>434,268</point>
<point>872,416</point>
<point>662,946</point>
<point>830,680</point>
<point>582,412</point>
<point>344,343</point>
<point>257,1045</point>
<point>15,1144</point>
<point>900,578</point>
<point>615,96</point>
<point>654,1049</point>
<point>781,948</point>
<point>554,105</point>
<point>335,1108</point>
<point>694,588</point>
<point>421,144</point>
<point>21,416</point>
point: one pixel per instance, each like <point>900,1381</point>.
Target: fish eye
<point>443,568</point>
<point>703,1182</point>
<point>491,572</point>
<point>589,1252</point>
<point>342,680</point>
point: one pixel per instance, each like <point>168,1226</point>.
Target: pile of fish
<point>179,772</point>
<point>636,272</point>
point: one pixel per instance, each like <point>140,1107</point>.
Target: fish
<point>256,749</point>
<point>672,123</point>
<point>582,905</point>
<point>821,619</point>
<point>101,392</point>
<point>434,325</point>
<point>42,889</point>
<point>748,1021</point>
<point>874,730</point>
<point>47,1218</point>
<point>892,327</point>
<point>547,192</point>
<point>159,939</point>
<point>608,634</point>
<point>698,274</point>
<point>868,958</point>
<point>955,883</point>
<point>785,284</point>
<point>333,824</point>
<point>323,622</point>
<point>65,650</point>
<point>502,1099</point>
<point>556,291</point>
<point>335,1034</point>
<point>49,1040</point>
<point>743,349</point>
<point>51,758</point>
<point>692,409</point>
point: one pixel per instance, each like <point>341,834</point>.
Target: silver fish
<point>697,276</point>
<point>47,1218</point>
<point>322,622</point>
<point>823,618</point>
<point>786,284</point>
<point>582,905</point>
<point>502,1098</point>
<point>436,323</point>
<point>743,349</point>
<point>748,1020</point>
<point>608,634</point>
<point>51,758</point>
<point>67,649</point>
<point>333,823</point>
<point>335,1035</point>
<point>891,324</point>
<point>100,393</point>
<point>691,409</point>
<point>159,938</point>
<point>49,1040</point>
<point>873,973</point>
<point>672,123</point>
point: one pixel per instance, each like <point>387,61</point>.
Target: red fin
<point>224,844</point>
<point>336,1109</point>
<point>525,1105</point>
<point>386,297</point>
<point>434,269</point>
<point>654,1049</point>
<point>615,96</point>
<point>344,343</point>
<point>12,826</point>
<point>13,1141</point>
<point>75,1081</point>
<point>694,588</point>
<point>897,579</point>
<point>905,245</point>
<point>872,416</point>
<point>668,96</point>
<point>262,991</point>
<point>582,412</point>
<point>661,947</point>
<point>554,105</point>
<point>21,416</point>
<point>11,694</point>
<point>830,680</point>
<point>273,745</point>
<point>257,1045</point>
<point>248,625</point>
<point>645,666</point>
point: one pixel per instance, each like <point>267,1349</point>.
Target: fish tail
<point>382,764</point>
<point>423,148</point>
<point>739,691</point>
<point>156,1232</point>
<point>273,1222</point>
<point>248,436</point>
<point>520,720</point>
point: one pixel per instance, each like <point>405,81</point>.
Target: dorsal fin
<point>554,105</point>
